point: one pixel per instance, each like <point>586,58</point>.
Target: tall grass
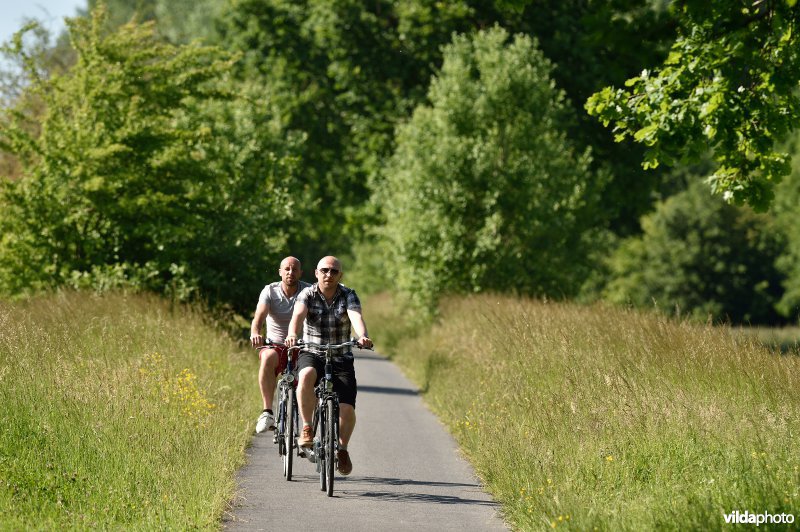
<point>118,412</point>
<point>595,418</point>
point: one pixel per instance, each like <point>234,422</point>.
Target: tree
<point>347,73</point>
<point>787,211</point>
<point>729,84</point>
<point>120,12</point>
<point>701,257</point>
<point>485,191</point>
<point>592,45</point>
<point>343,73</point>
<point>147,165</point>
<point>179,21</point>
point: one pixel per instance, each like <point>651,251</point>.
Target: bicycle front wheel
<point>288,434</point>
<point>280,427</point>
<point>330,443</point>
<point>320,446</point>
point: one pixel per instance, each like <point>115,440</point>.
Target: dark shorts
<point>344,374</point>
<point>283,358</point>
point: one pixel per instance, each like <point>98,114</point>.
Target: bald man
<point>275,307</point>
<point>327,310</point>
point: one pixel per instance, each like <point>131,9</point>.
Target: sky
<point>50,13</point>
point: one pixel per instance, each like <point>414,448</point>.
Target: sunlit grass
<point>590,418</point>
<point>783,339</point>
<point>118,412</point>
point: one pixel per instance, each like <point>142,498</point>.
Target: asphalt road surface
<point>407,472</point>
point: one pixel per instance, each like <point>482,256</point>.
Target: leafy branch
<point>732,93</point>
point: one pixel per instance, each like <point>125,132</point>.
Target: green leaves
<point>484,190</point>
<point>147,163</point>
<point>647,134</point>
<point>729,85</point>
<point>701,257</point>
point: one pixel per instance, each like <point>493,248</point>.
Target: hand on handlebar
<point>364,342</point>
<point>291,341</point>
<point>256,340</point>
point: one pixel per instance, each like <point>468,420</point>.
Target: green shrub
<point>484,189</point>
<point>144,160</point>
<point>702,257</point>
<point>787,211</point>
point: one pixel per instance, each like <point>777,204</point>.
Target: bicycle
<point>288,417</point>
<point>326,419</point>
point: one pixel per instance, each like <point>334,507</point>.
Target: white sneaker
<point>266,421</point>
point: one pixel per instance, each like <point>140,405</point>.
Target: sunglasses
<point>332,271</point>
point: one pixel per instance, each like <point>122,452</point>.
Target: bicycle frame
<point>287,419</point>
<point>326,418</point>
<point>286,430</point>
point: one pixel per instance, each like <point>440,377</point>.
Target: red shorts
<point>283,359</point>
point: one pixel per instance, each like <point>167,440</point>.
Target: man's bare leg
<point>347,422</point>
<point>305,402</point>
<point>266,376</point>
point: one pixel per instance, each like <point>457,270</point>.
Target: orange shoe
<point>306,438</point>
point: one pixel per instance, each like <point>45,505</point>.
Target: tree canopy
<point>185,146</point>
<point>143,166</point>
<point>729,86</point>
<point>701,257</point>
<point>483,189</point>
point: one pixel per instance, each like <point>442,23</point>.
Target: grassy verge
<point>118,412</point>
<point>783,339</point>
<point>593,418</point>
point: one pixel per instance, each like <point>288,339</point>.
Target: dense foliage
<point>700,256</point>
<point>729,85</point>
<point>484,191</point>
<point>787,202</point>
<point>402,136</point>
<point>142,170</point>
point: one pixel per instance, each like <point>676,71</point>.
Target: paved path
<point>407,472</point>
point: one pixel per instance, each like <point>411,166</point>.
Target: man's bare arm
<point>256,339</point>
<point>357,322</point>
<point>298,317</point>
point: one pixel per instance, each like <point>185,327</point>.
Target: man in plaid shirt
<point>328,310</point>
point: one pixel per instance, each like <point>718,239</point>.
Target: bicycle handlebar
<point>270,343</point>
<point>352,343</point>
<point>301,344</point>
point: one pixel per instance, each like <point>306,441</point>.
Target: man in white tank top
<point>275,306</point>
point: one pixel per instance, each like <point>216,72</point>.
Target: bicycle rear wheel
<point>330,444</point>
<point>288,434</point>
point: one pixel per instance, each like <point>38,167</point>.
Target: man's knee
<point>269,358</point>
<point>307,376</point>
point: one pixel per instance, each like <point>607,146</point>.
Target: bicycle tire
<point>289,434</point>
<point>280,426</point>
<point>320,447</point>
<point>330,444</point>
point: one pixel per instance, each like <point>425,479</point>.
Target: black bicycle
<point>288,417</point>
<point>326,419</point>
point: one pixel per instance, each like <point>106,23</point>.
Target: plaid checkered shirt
<point>328,323</point>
